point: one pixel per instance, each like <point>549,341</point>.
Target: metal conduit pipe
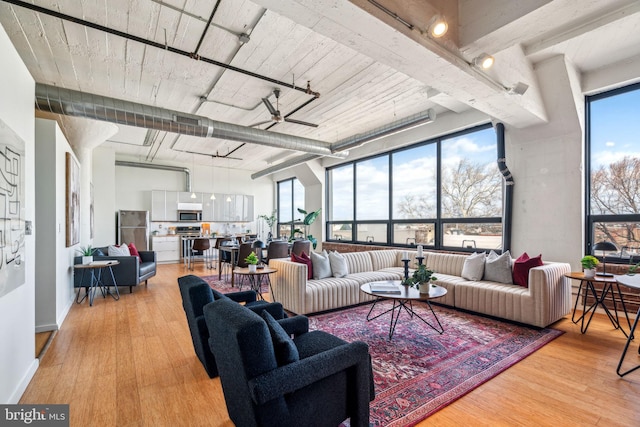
<point>507,212</point>
<point>186,171</point>
<point>74,103</point>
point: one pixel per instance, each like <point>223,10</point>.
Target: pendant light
<point>213,196</point>
<point>228,180</point>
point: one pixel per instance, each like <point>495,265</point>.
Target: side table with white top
<point>96,269</point>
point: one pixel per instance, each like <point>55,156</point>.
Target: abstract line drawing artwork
<point>12,194</point>
<point>73,200</point>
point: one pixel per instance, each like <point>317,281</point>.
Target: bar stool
<point>200,249</point>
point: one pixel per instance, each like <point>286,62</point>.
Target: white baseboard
<point>31,371</point>
<point>46,328</point>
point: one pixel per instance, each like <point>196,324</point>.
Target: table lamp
<point>604,247</point>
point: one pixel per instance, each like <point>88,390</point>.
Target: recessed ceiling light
<point>438,26</point>
<point>484,61</point>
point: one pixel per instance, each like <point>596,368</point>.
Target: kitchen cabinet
<point>164,206</point>
<point>167,248</point>
<point>233,208</point>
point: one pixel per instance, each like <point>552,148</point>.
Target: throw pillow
<point>303,258</point>
<point>321,265</point>
<point>283,346</point>
<point>134,251</point>
<point>473,267</point>
<point>122,250</point>
<point>521,268</point>
<point>497,268</point>
<point>338,264</point>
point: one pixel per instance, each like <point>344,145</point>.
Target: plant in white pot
<point>252,261</point>
<point>87,254</point>
<point>422,278</point>
<point>589,263</point>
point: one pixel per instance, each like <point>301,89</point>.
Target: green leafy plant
<point>270,219</point>
<point>86,250</point>
<point>589,261</point>
<point>421,275</point>
<point>633,269</point>
<point>309,218</point>
<point>251,259</point>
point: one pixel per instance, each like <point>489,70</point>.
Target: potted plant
<point>271,221</point>
<point>421,279</point>
<point>87,254</point>
<point>252,260</point>
<point>589,263</point>
<point>309,218</point>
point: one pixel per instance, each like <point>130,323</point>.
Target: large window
<point>443,193</point>
<point>290,198</point>
<point>613,173</point>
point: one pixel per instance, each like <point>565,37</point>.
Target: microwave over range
<point>190,215</point>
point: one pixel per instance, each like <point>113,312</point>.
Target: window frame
<point>438,222</point>
<point>293,224</point>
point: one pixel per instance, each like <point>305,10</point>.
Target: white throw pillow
<point>473,267</point>
<point>321,265</point>
<point>122,250</point>
<point>497,268</point>
<point>338,263</point>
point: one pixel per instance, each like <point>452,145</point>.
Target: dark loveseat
<point>130,272</point>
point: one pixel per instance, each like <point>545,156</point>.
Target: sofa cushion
<point>443,263</point>
<point>384,259</point>
<point>358,262</point>
<point>373,276</point>
<point>321,265</point>
<point>122,250</point>
<point>497,268</point>
<point>146,268</point>
<point>473,268</point>
<point>521,267</point>
<point>339,266</point>
<point>283,346</point>
<point>303,258</point>
<point>133,250</point>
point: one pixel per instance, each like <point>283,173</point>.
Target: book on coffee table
<point>384,288</point>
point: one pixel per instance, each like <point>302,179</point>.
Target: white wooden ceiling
<point>370,69</point>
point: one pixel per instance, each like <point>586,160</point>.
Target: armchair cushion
<point>122,250</point>
<point>134,251</point>
<point>284,347</point>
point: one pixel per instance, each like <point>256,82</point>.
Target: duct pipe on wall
<point>187,172</point>
<point>74,103</point>
<point>507,211</point>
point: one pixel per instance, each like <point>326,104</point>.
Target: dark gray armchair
<point>196,293</point>
<point>130,272</point>
<point>330,381</point>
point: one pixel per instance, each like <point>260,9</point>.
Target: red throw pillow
<point>303,258</point>
<point>521,268</point>
<point>134,251</point>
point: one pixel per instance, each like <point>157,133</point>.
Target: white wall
<point>54,272</point>
<point>17,308</point>
<point>131,188</point>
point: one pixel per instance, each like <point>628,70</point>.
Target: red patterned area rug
<point>224,284</point>
<point>419,371</point>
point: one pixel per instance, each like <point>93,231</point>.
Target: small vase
<point>252,268</point>
<point>424,288</point>
<point>87,259</point>
<point>589,273</point>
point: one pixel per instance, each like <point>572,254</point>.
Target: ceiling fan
<point>276,116</point>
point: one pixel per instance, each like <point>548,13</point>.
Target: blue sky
<point>615,128</point>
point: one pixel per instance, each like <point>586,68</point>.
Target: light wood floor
<point>131,363</point>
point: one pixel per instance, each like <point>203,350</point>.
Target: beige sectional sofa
<point>546,300</point>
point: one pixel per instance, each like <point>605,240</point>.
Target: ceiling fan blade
<point>272,110</point>
<point>299,122</point>
<point>260,123</point>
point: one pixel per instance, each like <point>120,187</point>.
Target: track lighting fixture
<point>438,26</point>
<point>484,61</point>
<point>517,89</point>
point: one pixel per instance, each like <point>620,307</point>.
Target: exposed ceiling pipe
<point>187,172</point>
<point>73,103</point>
<point>357,140</point>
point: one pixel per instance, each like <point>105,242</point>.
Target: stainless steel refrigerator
<point>133,226</point>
